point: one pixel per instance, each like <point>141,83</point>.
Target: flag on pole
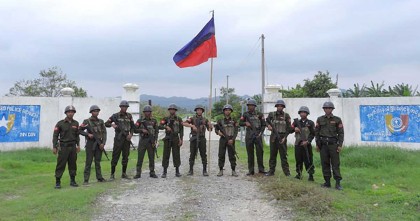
<point>198,50</point>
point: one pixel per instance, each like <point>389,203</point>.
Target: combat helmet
<point>94,107</point>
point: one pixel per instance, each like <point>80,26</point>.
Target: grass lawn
<point>27,186</point>
<point>380,183</point>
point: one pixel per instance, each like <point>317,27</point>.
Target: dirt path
<point>191,198</point>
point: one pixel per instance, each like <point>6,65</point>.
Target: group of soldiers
<point>328,133</point>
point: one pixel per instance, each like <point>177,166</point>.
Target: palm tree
<point>357,91</point>
<point>376,90</point>
<point>402,90</point>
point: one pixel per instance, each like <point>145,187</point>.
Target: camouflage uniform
<point>253,138</point>
<point>125,127</point>
<point>171,141</point>
<point>146,143</point>
<point>280,122</point>
<point>230,127</point>
<point>97,126</point>
<point>201,123</point>
<point>65,140</point>
<point>329,136</point>
<point>303,154</point>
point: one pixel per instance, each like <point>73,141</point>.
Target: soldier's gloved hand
<point>339,149</point>
<point>77,149</point>
<point>230,142</point>
<point>168,129</point>
<point>129,136</point>
<point>54,150</point>
<point>180,142</point>
<point>269,127</point>
<point>220,133</point>
<point>305,143</point>
<point>297,130</point>
<point>210,127</point>
<point>114,125</point>
<point>102,146</point>
<point>317,148</point>
<point>90,136</point>
<point>247,124</point>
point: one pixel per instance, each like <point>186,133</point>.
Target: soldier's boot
<point>177,173</point>
<point>337,185</point>
<point>112,177</point>
<point>298,176</point>
<point>270,173</point>
<point>220,172</point>
<point>138,174</point>
<point>57,183</point>
<point>153,174</point>
<point>191,172</point>
<point>250,173</point>
<point>327,183</point>
<point>234,173</point>
<point>73,182</point>
<point>165,170</point>
<point>101,180</point>
<point>86,182</point>
<point>311,177</point>
<point>205,170</point>
<point>124,174</point>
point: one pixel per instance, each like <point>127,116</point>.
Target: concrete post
<point>132,95</point>
<point>65,100</point>
<point>337,99</point>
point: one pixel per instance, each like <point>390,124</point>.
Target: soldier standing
<point>329,141</point>
<point>123,124</point>
<point>66,143</point>
<point>198,125</point>
<point>148,129</point>
<point>279,125</point>
<point>96,138</point>
<point>173,140</point>
<point>304,133</point>
<point>255,126</point>
<point>227,129</point>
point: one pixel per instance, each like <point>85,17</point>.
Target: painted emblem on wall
<point>19,123</point>
<point>390,123</point>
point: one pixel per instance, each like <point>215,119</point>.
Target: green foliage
<point>49,84</point>
<point>234,100</point>
<point>317,87</point>
<point>27,186</point>
<point>380,183</point>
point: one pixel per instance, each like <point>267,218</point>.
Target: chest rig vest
<point>229,127</point>
<point>279,122</point>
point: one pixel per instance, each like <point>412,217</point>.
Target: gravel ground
<point>191,197</point>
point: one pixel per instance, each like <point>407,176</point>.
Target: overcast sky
<point>104,44</point>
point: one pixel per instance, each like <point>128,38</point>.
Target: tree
<point>234,100</point>
<point>293,92</point>
<point>319,85</point>
<point>48,85</point>
<point>357,91</point>
<point>376,90</point>
<point>402,90</point>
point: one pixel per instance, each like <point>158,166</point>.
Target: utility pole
<point>227,89</point>
<point>262,73</point>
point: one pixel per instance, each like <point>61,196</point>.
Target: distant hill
<point>184,102</point>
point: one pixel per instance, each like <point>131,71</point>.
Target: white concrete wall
<point>348,110</point>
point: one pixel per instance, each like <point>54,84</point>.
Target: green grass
<point>27,186</point>
<point>380,183</point>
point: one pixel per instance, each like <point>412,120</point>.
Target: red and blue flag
<point>198,50</point>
